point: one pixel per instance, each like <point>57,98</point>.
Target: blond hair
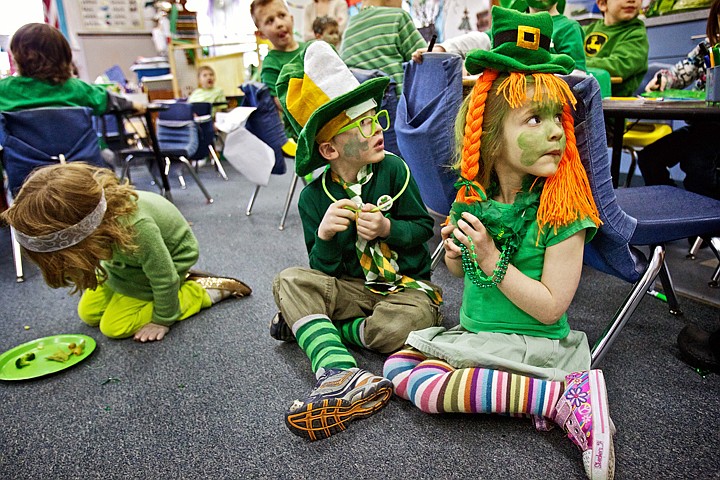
<point>58,196</point>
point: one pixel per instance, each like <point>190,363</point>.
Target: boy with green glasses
<point>365,229</point>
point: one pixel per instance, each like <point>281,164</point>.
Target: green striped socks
<point>322,343</point>
<point>351,331</point>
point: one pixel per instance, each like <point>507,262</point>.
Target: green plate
<point>43,348</point>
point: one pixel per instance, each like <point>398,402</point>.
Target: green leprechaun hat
<point>320,96</point>
<point>521,43</point>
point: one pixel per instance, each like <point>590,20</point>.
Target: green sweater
<point>166,250</point>
<point>411,225</point>
<point>381,38</point>
<point>567,38</point>
<point>273,63</point>
<point>621,49</point>
<point>21,93</point>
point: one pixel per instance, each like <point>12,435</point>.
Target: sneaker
<point>279,329</point>
<point>339,397</point>
<point>582,412</point>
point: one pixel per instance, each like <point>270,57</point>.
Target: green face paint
<point>534,143</point>
<point>354,147</point>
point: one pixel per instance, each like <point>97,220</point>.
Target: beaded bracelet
<point>475,273</point>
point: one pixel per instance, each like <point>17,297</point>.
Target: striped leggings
<point>434,386</point>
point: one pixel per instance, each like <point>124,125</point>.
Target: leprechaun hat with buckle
<point>521,43</point>
<point>320,96</point>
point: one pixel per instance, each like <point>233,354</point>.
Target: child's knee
<point>115,329</point>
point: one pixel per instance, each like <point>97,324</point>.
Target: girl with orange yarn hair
<point>516,234</point>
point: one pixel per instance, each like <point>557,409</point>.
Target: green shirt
<point>621,49</point>
<point>381,38</point>
<point>21,93</point>
<point>489,310</point>
<point>567,38</point>
<point>411,225</point>
<point>167,249</point>
<point>273,63</point>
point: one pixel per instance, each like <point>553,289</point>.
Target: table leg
<point>158,157</point>
<point>617,143</point>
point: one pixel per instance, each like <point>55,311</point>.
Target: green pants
<point>120,316</point>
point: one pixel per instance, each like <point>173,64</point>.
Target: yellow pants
<point>120,316</point>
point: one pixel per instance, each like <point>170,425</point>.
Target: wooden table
<point>696,111</point>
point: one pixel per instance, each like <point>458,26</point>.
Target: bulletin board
<point>111,16</point>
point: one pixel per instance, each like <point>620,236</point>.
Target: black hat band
<point>524,37</point>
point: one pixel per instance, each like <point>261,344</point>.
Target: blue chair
<point>178,139</point>
<point>431,98</point>
<point>37,137</point>
<point>265,123</point>
<point>632,218</point>
<point>206,146</point>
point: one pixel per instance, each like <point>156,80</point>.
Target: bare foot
<point>151,332</point>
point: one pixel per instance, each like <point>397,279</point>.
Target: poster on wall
<point>463,16</point>
<point>112,16</point>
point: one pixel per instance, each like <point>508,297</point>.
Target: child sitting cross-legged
<point>129,252</point>
<point>517,230</point>
<point>365,229</point>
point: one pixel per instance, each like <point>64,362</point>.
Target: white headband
<point>67,237</point>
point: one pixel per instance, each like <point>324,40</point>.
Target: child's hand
<point>452,251</point>
<point>337,218</point>
<point>372,225</point>
<point>151,332</point>
<point>658,82</point>
<point>417,54</point>
<point>469,227</point>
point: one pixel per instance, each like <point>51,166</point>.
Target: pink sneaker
<point>582,412</point>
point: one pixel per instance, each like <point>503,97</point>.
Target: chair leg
<point>629,306</point>
<point>669,290</point>
<point>216,161</point>
<point>715,247</point>
<point>190,170</point>
<point>288,200</point>
<point>252,200</point>
<point>631,168</point>
<point>17,257</point>
<point>437,255</point>
<point>694,249</point>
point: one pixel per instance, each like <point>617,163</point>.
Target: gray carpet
<point>208,400</point>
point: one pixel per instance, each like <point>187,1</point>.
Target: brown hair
<point>261,3</point>
<point>40,51</point>
<point>205,68</point>
<point>566,195</point>
<point>59,196</point>
<point>321,23</point>
<point>713,30</point>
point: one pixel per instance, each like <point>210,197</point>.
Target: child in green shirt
<point>365,229</point>
<point>523,212</point>
<point>618,44</point>
<point>129,252</point>
<point>207,91</point>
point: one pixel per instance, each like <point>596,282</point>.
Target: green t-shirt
<point>489,310</point>
<point>21,93</point>
<point>381,38</point>
<point>621,49</point>
<point>273,63</point>
<point>167,249</point>
<point>411,225</point>
<point>567,38</point>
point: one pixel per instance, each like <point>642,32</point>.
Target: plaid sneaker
<point>582,412</point>
<point>339,397</point>
<point>279,329</point>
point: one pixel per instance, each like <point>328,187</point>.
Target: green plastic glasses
<point>368,125</point>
